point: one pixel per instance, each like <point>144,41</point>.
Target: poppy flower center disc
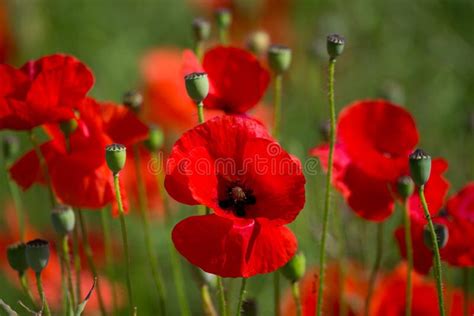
<point>237,199</point>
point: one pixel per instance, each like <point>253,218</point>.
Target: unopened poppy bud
<point>279,58</point>
<point>63,219</point>
<point>420,167</point>
<point>223,18</point>
<point>295,268</point>
<point>335,45</point>
<point>68,127</point>
<point>155,138</point>
<point>405,187</point>
<point>197,86</point>
<point>133,100</point>
<point>442,235</point>
<point>37,254</point>
<point>11,147</point>
<point>16,255</point>
<point>258,42</point>
<point>115,155</point>
<point>201,29</point>
<point>249,307</point>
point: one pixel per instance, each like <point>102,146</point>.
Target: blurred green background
<point>421,50</point>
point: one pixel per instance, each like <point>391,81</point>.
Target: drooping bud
<point>116,156</point>
<point>133,100</point>
<point>335,45</point>
<point>155,138</point>
<point>420,167</point>
<point>279,58</point>
<point>258,42</point>
<point>201,29</point>
<point>197,86</point>
<point>223,18</point>
<point>442,235</point>
<point>405,187</point>
<point>37,254</point>
<point>295,268</point>
<point>68,127</point>
<point>10,147</point>
<point>16,255</point>
<point>63,219</point>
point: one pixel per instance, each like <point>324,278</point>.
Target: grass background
<point>424,47</point>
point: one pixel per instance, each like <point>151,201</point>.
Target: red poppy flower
<point>42,91</point>
<point>374,140</point>
<point>79,176</point>
<point>389,296</point>
<point>231,164</point>
<point>237,79</point>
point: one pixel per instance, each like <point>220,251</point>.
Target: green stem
<point>327,202</point>
<point>199,49</point>
<point>44,302</point>
<point>208,307</point>
<point>108,255</point>
<point>465,287</point>
<point>179,282</point>
<point>278,81</point>
<point>223,35</point>
<point>409,255</point>
<point>342,262</point>
<point>15,195</point>
<point>375,268</point>
<point>295,290</point>
<point>26,288</point>
<point>90,261</point>
<point>221,294</point>
<point>67,266</point>
<point>200,107</point>
<point>124,240</point>
<point>241,296</point>
<point>437,258</point>
<point>77,260</point>
<point>143,203</point>
<point>160,179</point>
<point>276,292</point>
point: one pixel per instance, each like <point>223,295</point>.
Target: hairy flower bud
<point>295,268</point>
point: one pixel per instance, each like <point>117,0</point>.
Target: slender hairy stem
<point>123,227</point>
<point>143,203</point>
<point>278,81</point>
<point>295,291</point>
<point>221,294</point>
<point>409,255</point>
<point>90,262</point>
<point>342,262</point>
<point>207,306</point>
<point>26,288</point>
<point>77,260</point>
<point>276,292</point>
<point>67,267</point>
<point>465,287</point>
<point>108,255</point>
<point>200,107</point>
<point>44,302</point>
<point>437,258</point>
<point>15,195</point>
<point>327,202</point>
<point>241,297</point>
<point>375,268</point>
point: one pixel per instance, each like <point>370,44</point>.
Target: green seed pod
<point>116,156</point>
<point>279,58</point>
<point>63,219</point>
<point>258,42</point>
<point>223,18</point>
<point>420,167</point>
<point>201,29</point>
<point>68,127</point>
<point>405,187</point>
<point>133,100</point>
<point>10,146</point>
<point>197,86</point>
<point>335,45</point>
<point>442,235</point>
<point>37,254</point>
<point>155,139</point>
<point>295,268</point>
<point>16,254</point>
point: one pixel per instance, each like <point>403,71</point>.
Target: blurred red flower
<point>374,139</point>
<point>42,91</point>
<point>231,165</point>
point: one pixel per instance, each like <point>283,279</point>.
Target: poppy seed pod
<point>335,45</point>
<point>16,254</point>
<point>201,29</point>
<point>68,127</point>
<point>295,268</point>
<point>155,138</point>
<point>115,155</point>
<point>258,42</point>
<point>37,254</point>
<point>420,167</point>
<point>442,235</point>
<point>279,58</point>
<point>133,100</point>
<point>10,146</point>
<point>405,187</point>
<point>197,86</point>
<point>223,18</point>
<point>63,219</point>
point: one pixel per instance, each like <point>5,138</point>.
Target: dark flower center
<point>237,199</point>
